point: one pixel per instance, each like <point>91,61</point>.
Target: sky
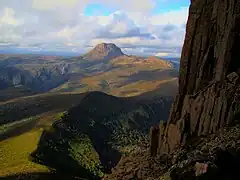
<point>139,27</point>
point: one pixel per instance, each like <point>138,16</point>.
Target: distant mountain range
<point>105,68</point>
<point>15,51</point>
<point>74,128</point>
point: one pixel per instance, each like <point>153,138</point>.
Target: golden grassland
<point>15,151</point>
<point>140,87</point>
<point>122,82</point>
<point>124,71</point>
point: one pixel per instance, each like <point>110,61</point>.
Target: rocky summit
<point>103,51</point>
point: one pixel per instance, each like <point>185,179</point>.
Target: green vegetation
<point>15,153</point>
<point>21,142</point>
<point>83,152</point>
<point>92,136</point>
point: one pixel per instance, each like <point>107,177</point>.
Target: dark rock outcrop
<point>209,73</point>
<point>154,134</point>
<point>215,156</point>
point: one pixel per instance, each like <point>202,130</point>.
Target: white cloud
<point>61,25</point>
<point>162,54</point>
<point>172,17</point>
<point>104,20</point>
<point>66,32</point>
<point>9,17</point>
<point>119,27</point>
<point>54,4</point>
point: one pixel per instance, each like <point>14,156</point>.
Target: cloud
<point>161,54</point>
<point>53,4</point>
<point>57,25</point>
<point>178,17</point>
<point>9,18</point>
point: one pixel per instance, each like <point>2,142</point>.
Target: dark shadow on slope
<point>226,166</point>
<point>19,129</point>
<point>35,105</point>
<point>107,121</point>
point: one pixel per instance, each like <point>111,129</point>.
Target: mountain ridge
<point>107,124</point>
<point>40,74</point>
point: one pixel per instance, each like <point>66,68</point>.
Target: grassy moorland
<point>28,108</point>
<point>122,76</point>
<point>23,121</point>
<point>92,136</point>
<point>15,153</point>
<point>25,118</point>
<point>16,149</point>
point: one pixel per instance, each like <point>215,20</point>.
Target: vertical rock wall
<point>209,73</point>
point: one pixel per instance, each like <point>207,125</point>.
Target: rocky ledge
<point>214,156</point>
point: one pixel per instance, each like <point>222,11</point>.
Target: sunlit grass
<point>118,84</point>
<point>15,151</point>
<point>140,87</point>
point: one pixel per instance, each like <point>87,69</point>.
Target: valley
<point>116,75</point>
<point>114,113</point>
<point>39,92</point>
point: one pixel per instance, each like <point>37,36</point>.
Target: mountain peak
<point>104,51</point>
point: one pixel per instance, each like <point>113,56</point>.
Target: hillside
<point>103,136</point>
<point>104,68</point>
<point>29,116</point>
<point>24,107</point>
<point>200,140</point>
<point>124,76</point>
<point>37,90</point>
<point>22,123</point>
<point>92,136</point>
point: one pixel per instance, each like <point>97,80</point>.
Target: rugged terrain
<point>92,136</point>
<point>209,90</point>
<point>104,68</point>
<point>201,138</point>
<point>31,102</point>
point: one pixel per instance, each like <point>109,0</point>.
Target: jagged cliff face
<point>209,74</point>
